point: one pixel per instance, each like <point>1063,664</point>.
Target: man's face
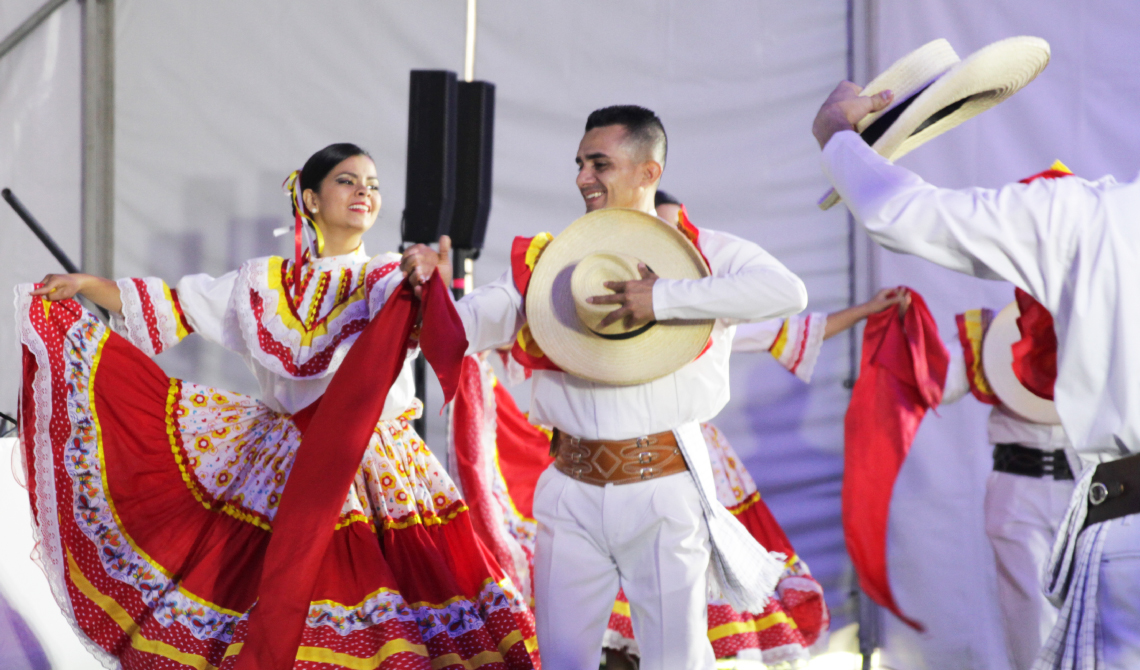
<point>609,174</point>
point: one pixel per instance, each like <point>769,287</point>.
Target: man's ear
<point>650,172</point>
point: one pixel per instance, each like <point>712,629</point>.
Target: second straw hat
<point>934,92</point>
<point>607,245</point>
<point>997,361</point>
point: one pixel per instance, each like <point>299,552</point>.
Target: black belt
<point>1028,462</point>
<point>1115,490</point>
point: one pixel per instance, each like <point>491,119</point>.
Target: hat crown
<point>589,279</point>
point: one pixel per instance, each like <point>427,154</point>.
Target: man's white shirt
<point>1072,244</point>
<point>746,284</point>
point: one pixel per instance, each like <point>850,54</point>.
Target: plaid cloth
<point>1071,579</point>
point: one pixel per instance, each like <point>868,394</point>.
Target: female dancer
<point>155,499</point>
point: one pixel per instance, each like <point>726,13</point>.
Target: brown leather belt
<point>1115,490</point>
<point>602,462</point>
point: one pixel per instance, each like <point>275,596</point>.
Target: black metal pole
<point>24,214</point>
<point>47,240</point>
<point>419,374</point>
<point>4,421</point>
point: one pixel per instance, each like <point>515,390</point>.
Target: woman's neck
<point>339,245</point>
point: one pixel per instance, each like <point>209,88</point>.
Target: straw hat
<point>934,92</point>
<point>997,361</point>
<point>607,245</point>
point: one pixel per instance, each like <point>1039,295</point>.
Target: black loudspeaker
<point>429,198</point>
<point>473,164</point>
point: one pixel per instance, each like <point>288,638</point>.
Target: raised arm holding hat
<point>1072,245</point>
<point>630,500</point>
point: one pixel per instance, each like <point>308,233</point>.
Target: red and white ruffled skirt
<point>154,501</point>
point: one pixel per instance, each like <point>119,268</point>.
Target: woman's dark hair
<point>321,163</point>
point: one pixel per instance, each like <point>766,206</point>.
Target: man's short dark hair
<point>663,198</point>
<point>641,124</point>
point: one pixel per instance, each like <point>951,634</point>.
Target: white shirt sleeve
<point>204,300</point>
<point>492,314</point>
<point>957,384</point>
<point>1023,233</point>
<point>756,337</point>
<point>747,284</point>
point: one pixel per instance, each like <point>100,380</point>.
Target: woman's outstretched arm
<point>102,292</point>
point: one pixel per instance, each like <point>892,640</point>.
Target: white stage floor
<point>23,584</point>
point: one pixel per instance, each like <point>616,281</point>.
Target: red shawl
<point>902,375</point>
<point>331,449</point>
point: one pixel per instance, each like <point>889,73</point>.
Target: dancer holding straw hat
<point>1072,245</point>
<point>627,324</point>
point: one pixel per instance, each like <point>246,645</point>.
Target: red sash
<point>902,375</point>
<point>328,457</point>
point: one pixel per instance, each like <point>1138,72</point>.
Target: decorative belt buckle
<point>575,457</point>
<point>647,473</point>
<point>644,457</point>
<point>1098,493</point>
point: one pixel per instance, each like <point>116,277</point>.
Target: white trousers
<point>1022,517</point>
<point>649,538</point>
<point>1118,596</point>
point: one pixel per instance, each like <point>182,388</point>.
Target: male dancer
<point>649,537</point>
<point>1073,245</point>
<point>1026,496</point>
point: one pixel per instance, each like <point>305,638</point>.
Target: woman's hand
<point>887,298</point>
<point>62,287</point>
<point>102,292</point>
<point>420,260</point>
<point>837,322</point>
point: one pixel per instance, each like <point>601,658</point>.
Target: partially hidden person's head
<point>621,157</point>
<point>668,207</point>
<point>340,189</point>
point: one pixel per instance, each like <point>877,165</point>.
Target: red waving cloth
<point>328,457</point>
<point>1035,354</point>
<point>902,375</point>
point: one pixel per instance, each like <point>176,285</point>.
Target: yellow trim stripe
<point>179,328</point>
<point>131,628</point>
<point>509,641</point>
<point>390,648</point>
<point>743,505</point>
<point>739,627</point>
<point>414,518</point>
<point>476,661</point>
<point>534,250</point>
<point>777,348</point>
<point>621,608</point>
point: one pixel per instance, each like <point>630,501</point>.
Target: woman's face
<point>349,197</point>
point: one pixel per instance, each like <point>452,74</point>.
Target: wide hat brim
<point>922,110</point>
<point>662,348</point>
<point>997,361</point>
